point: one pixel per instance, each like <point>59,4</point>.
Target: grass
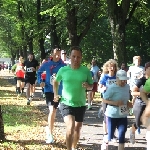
<point>24,125</point>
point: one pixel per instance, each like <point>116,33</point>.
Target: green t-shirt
<point>73,94</point>
<point>147,86</point>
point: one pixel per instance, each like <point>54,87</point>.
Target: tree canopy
<point>103,28</point>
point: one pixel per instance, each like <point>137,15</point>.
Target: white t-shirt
<point>136,72</point>
<point>95,70</point>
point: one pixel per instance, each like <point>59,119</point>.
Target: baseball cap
<point>122,75</point>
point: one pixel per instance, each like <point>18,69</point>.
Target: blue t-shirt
<point>51,68</point>
<point>116,93</point>
<point>95,70</point>
<point>107,80</point>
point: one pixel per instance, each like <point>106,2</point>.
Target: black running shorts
<point>77,112</point>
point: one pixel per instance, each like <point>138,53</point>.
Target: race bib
<point>123,110</point>
<point>29,69</point>
<point>52,79</point>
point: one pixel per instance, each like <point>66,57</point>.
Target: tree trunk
<point>53,33</point>
<point>118,37</point>
<point>119,16</point>
<point>2,135</point>
<point>25,52</point>
<point>29,39</point>
<point>39,23</point>
<point>42,49</point>
<point>73,25</point>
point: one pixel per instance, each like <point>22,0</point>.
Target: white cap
<point>122,75</point>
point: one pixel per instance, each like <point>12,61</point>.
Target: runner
<point>64,57</point>
<point>139,105</point>
<point>31,65</point>
<point>146,114</point>
<point>75,79</point>
<point>117,96</point>
<point>108,77</point>
<point>123,67</point>
<point>91,94</point>
<point>50,68</point>
<point>13,69</point>
<point>135,72</point>
<point>20,74</point>
<point>43,77</point>
<point>34,85</point>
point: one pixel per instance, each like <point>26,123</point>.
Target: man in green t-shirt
<point>75,79</point>
<point>146,114</point>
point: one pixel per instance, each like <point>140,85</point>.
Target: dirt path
<point>92,131</point>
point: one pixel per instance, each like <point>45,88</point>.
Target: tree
<point>79,18</point>
<point>119,14</point>
<point>2,135</point>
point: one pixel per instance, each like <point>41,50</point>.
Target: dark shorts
<point>95,84</point>
<point>21,79</point>
<point>50,99</point>
<point>77,112</point>
<point>30,80</point>
<point>138,110</point>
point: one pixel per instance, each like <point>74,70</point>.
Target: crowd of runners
<point>67,85</point>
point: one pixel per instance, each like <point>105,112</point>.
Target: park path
<point>92,130</point>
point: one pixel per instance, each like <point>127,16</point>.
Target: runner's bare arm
<point>87,86</point>
<point>135,91</point>
<point>144,96</point>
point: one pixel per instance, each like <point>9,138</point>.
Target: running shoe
<point>49,136</point>
<point>43,95</point>
<point>89,108</point>
<point>105,138</point>
<point>114,140</point>
<point>32,96</point>
<point>132,137</point>
<point>28,102</point>
<point>104,146</point>
<point>138,131</point>
<point>50,139</point>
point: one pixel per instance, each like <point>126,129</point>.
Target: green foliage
<point>19,24</point>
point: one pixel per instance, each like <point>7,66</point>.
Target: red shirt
<point>20,73</point>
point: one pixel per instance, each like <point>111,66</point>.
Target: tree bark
<point>119,16</point>
<point>53,33</point>
<point>39,23</point>
<point>2,135</point>
<point>73,25</point>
